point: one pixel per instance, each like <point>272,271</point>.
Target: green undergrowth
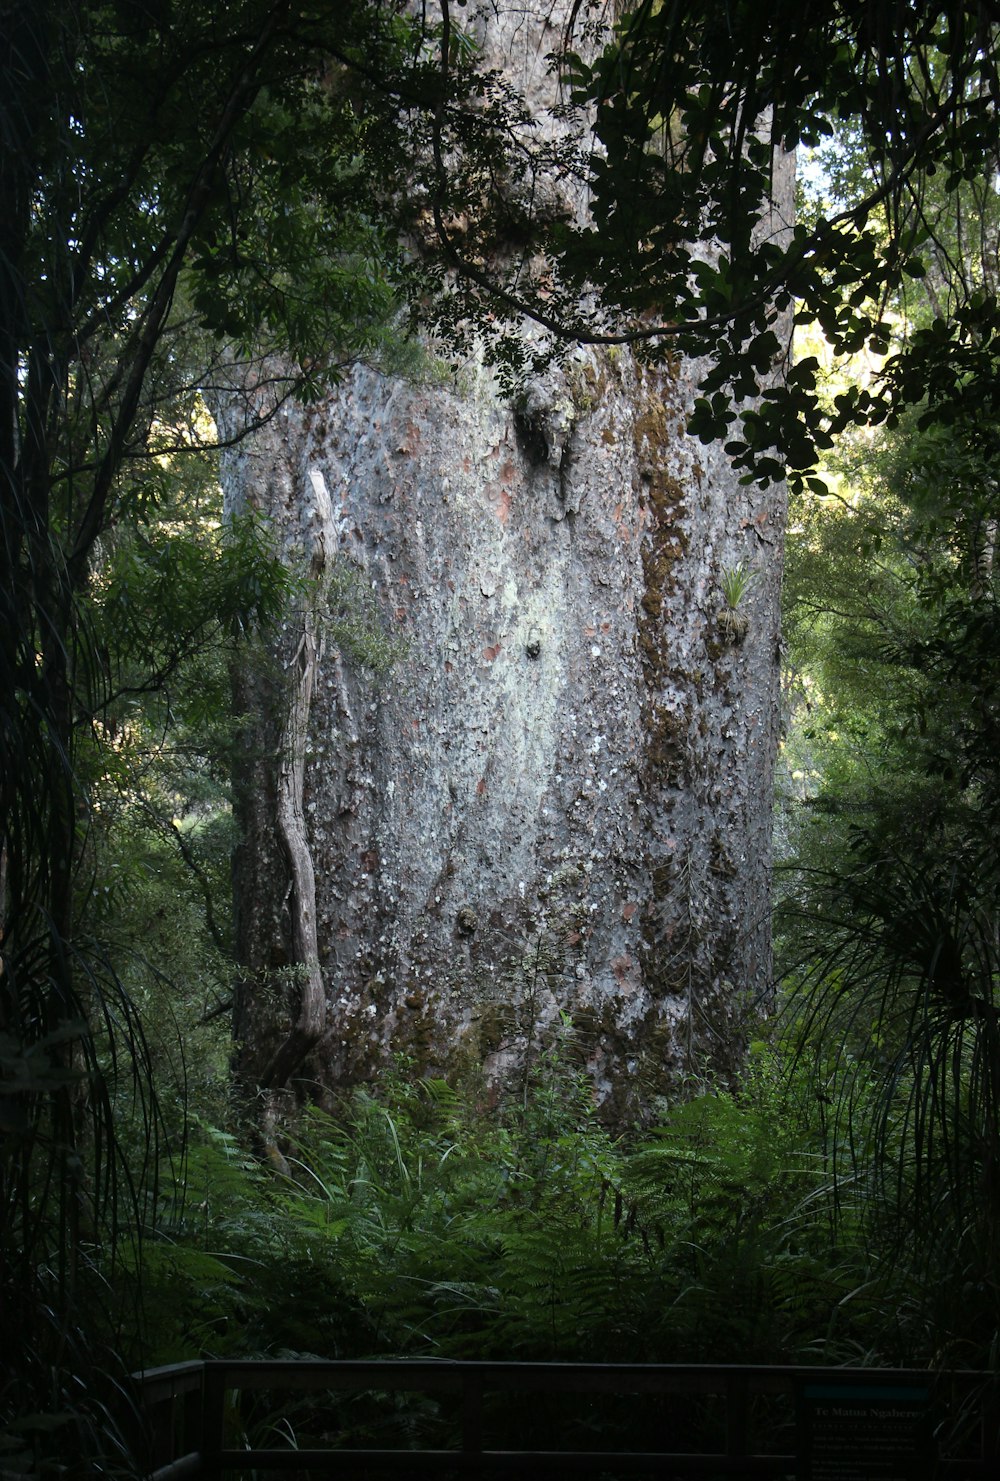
<point>751,1226</point>
<point>416,1221</point>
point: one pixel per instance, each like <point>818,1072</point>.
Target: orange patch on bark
<point>491,653</point>
<point>620,967</point>
<point>629,910</point>
<point>481,787</point>
<point>410,440</point>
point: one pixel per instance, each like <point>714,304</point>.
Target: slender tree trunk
<point>552,816</point>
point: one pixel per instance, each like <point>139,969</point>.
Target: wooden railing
<point>806,1423</point>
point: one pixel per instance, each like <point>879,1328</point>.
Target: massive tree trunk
<point>551,815</point>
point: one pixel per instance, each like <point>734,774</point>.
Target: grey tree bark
<point>550,818</point>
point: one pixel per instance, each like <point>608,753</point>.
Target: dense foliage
<point>182,216</point>
<point>892,913</point>
<point>418,1221</point>
<point>692,121</point>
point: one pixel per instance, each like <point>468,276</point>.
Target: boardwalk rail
<point>193,1412</point>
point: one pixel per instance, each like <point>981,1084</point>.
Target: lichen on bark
<point>552,816</point>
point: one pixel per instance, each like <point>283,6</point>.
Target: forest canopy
<point>689,120</point>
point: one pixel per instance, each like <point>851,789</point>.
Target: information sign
<point>865,1432</point>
